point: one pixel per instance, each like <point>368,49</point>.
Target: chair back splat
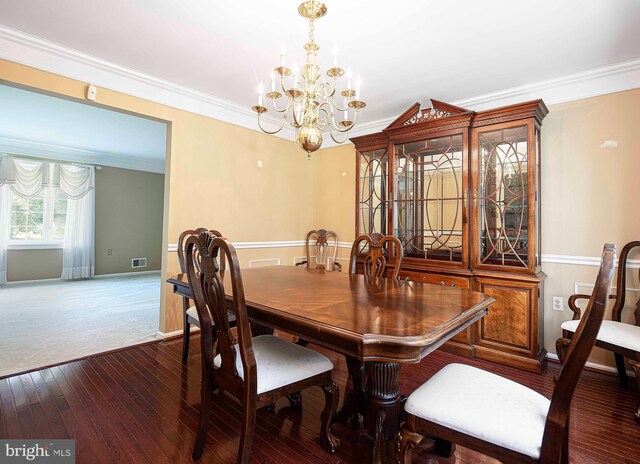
<point>182,241</point>
<point>325,240</point>
<point>377,255</point>
<point>557,424</point>
<point>189,312</point>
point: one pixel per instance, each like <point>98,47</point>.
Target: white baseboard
<point>36,281</point>
<point>594,366</point>
<point>126,274</point>
<point>175,333</point>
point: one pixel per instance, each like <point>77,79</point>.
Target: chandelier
<point>312,106</point>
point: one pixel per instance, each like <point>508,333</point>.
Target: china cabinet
<point>460,190</point>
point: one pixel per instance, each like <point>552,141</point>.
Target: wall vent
<point>138,262</point>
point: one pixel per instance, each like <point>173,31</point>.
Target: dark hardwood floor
<point>140,405</point>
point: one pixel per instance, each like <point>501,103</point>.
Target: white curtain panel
<point>78,255</point>
<point>4,230</point>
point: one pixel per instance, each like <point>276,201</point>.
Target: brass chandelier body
<point>312,105</point>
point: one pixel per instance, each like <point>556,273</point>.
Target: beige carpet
<point>54,321</point>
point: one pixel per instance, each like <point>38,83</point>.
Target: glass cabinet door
<point>372,192</point>
<point>428,198</point>
<point>501,196</point>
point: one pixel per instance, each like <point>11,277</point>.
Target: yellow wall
<point>590,195</point>
<point>212,179</point>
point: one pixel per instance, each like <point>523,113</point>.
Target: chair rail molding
<point>552,259</point>
<point>30,50</point>
<point>584,260</point>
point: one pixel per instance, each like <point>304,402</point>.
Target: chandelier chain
<point>311,28</point>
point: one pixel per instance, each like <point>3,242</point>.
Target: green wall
<point>128,221</point>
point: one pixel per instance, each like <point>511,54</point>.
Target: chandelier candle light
<point>311,99</point>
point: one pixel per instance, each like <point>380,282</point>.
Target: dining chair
<point>621,338</point>
<point>189,313</point>
<point>256,371</point>
<point>324,239</point>
<point>377,250</point>
<point>498,417</point>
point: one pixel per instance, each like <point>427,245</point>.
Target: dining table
<point>377,324</point>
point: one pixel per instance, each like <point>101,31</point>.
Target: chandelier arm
<point>332,89</point>
<point>275,106</point>
<point>346,129</point>
<point>337,106</point>
<point>346,135</point>
<point>271,132</point>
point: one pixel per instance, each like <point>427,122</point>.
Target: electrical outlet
<point>109,252</point>
<point>558,303</point>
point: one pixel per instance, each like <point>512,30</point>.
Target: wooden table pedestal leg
<point>384,405</point>
<point>353,408</point>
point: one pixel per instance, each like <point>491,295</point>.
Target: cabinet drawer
<point>436,279</point>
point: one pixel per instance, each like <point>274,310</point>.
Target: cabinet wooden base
<point>459,348</point>
<point>536,364</point>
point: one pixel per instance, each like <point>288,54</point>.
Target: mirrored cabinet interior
<point>460,190</point>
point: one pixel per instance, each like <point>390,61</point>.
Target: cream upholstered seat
<point>483,405</point>
<point>613,332</point>
<point>279,362</point>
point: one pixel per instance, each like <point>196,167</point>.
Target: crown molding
<point>590,83</point>
<point>64,153</point>
<point>39,53</point>
<point>29,50</point>
<point>593,82</point>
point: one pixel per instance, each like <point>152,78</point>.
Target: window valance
<point>27,177</point>
<point>74,181</point>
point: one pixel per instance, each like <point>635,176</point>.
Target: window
<point>38,219</point>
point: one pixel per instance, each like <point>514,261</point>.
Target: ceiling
<point>405,50</point>
<point>41,125</point>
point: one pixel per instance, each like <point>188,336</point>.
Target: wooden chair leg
<point>203,425</point>
<point>295,400</point>
<point>408,441</point>
<point>622,369</point>
<point>635,365</point>
<point>186,336</point>
<point>564,458</point>
<point>562,344</point>
<point>331,397</point>
<point>247,429</point>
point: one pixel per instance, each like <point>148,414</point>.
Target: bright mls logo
<point>38,451</point>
